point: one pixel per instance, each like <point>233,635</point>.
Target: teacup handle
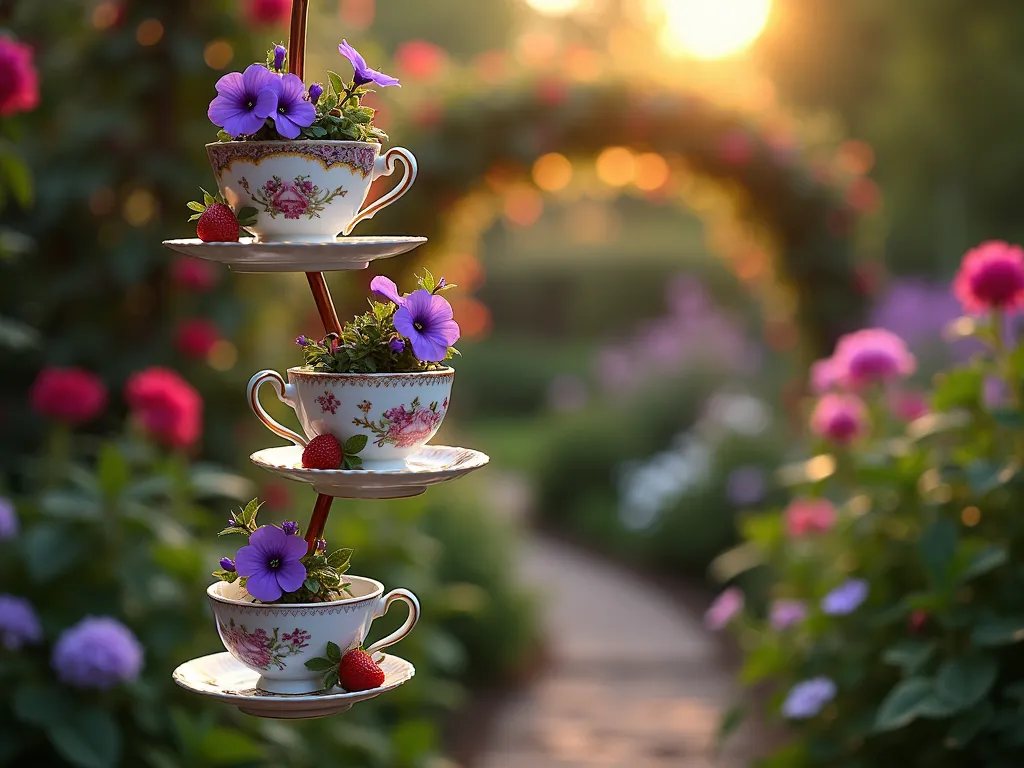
<point>285,393</point>
<point>385,166</point>
<point>381,608</point>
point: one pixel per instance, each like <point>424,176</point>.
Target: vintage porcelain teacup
<point>306,191</point>
<point>398,412</point>
<point>277,640</point>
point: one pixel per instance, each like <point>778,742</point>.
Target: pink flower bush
<point>69,395</point>
<point>268,12</point>
<point>839,417</point>
<point>726,607</point>
<point>808,516</point>
<point>196,337</point>
<point>19,81</point>
<point>167,406</point>
<point>991,277</point>
<point>870,356</point>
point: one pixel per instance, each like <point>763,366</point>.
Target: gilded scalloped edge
<point>359,159</point>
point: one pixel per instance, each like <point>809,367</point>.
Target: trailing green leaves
<point>966,680</point>
<point>903,704</point>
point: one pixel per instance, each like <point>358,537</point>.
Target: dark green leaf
<point>727,726</point>
<point>312,585</point>
<point>333,652</point>
<point>321,664</point>
<point>938,547</point>
<point>986,560</point>
<point>89,739</point>
<point>355,444</point>
<point>993,632</point>
<point>966,680</point>
<point>249,513</point>
<point>903,703</point>
<point>51,550</point>
<point>339,558</point>
<point>336,82</point>
<point>40,705</point>
<point>969,725</point>
<point>910,655</point>
<point>935,707</point>
<point>1009,419</point>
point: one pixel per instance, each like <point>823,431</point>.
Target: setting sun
<point>711,29</point>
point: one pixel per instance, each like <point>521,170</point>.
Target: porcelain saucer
<point>431,465</point>
<point>220,677</point>
<point>342,253</point>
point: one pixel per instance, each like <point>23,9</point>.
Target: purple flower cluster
<point>808,698</point>
<point>9,526</point>
<point>97,652</point>
<point>425,318</point>
<point>846,598</point>
<point>19,624</point>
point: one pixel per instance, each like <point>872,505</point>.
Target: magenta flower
<point>786,613</point>
<point>839,417</point>
<point>725,608</point>
<point>384,288</point>
<point>271,563</point>
<point>824,377</point>
<point>244,100</point>
<point>19,81</point>
<point>871,356</point>
<point>991,277</point>
<point>363,74</point>
<point>292,112</point>
<point>426,320</point>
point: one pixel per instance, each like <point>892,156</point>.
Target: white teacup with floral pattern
<point>276,640</point>
<point>306,191</point>
<point>397,412</point>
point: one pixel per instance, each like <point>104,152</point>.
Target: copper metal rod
<point>317,284</point>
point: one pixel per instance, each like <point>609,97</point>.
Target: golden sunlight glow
<point>711,29</point>
<point>554,7</point>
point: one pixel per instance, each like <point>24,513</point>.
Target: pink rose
<point>167,406</point>
<point>19,81</point>
<point>196,337</point>
<point>69,395</point>
<point>269,12</point>
<point>418,428</point>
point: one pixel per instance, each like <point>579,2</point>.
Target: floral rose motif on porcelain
<point>403,426</point>
<point>328,402</point>
<point>293,199</point>
<point>260,650</point>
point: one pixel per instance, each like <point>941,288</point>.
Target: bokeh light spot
<point>971,516</point>
<point>552,172</point>
<point>139,207</point>
<point>711,29</point>
<point>651,171</point>
<point>149,32</point>
<point>105,15</point>
<point>523,206</point>
<point>218,54</point>
<point>222,356</point>
<point>616,166</point>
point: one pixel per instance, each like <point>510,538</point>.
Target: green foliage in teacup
<point>370,343</point>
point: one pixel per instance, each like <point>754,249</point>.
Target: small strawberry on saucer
<point>354,671</point>
<point>216,222</point>
<point>325,452</point>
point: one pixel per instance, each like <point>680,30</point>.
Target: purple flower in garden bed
<point>9,526</point>
<point>871,356</point>
<point>19,624</point>
<point>363,74</point>
<point>271,563</point>
<point>291,112</point>
<point>840,417</point>
<point>786,613</point>
<point>808,698</point>
<point>426,320</point>
<point>97,652</point>
<point>846,598</point>
<point>725,608</point>
<point>244,100</point>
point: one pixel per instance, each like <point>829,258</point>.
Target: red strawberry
<point>323,452</point>
<point>359,672</point>
<point>217,224</point>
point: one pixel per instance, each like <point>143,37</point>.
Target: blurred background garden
<point>658,213</point>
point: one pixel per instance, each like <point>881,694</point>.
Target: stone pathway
<point>634,680</point>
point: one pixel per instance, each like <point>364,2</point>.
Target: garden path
<point>633,678</point>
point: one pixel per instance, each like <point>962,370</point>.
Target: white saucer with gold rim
<point>220,677</point>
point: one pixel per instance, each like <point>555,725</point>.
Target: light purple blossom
<point>384,288</point>
<point>315,92</point>
<point>397,345</point>
<point>724,609</point>
<point>846,598</point>
<point>426,320</point>
<point>244,100</point>
<point>301,340</point>
<point>291,111</point>
<point>786,613</point>
<point>19,624</point>
<point>271,563</point>
<point>808,698</point>
<point>290,527</point>
<point>9,526</point>
<point>363,74</point>
<point>97,652</point>
<point>280,53</point>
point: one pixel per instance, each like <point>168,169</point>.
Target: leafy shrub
<point>900,641</point>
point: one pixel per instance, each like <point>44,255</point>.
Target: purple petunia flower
<point>290,527</point>
<point>227,564</point>
<point>384,288</point>
<point>8,520</point>
<point>808,698</point>
<point>397,344</point>
<point>846,598</point>
<point>291,112</point>
<point>426,320</point>
<point>363,74</point>
<point>244,100</point>
<point>19,624</point>
<point>280,53</point>
<point>315,92</point>
<point>271,563</point>
<point>97,652</point>
<point>786,613</point>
